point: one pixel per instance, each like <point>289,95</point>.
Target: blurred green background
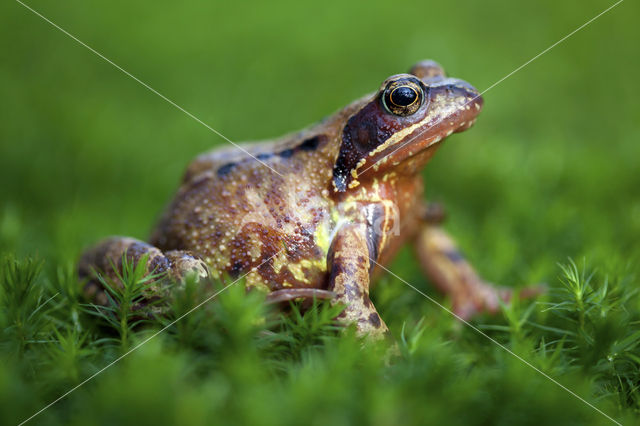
<point>549,171</point>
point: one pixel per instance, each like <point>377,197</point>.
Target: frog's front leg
<point>445,266</point>
<point>106,258</point>
<point>349,267</point>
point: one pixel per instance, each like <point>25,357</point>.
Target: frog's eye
<point>403,96</point>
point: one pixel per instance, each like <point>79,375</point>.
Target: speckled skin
<point>336,199</point>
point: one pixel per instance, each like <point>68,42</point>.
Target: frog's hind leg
<point>106,259</point>
<point>445,266</point>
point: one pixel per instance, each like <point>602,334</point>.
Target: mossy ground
<point>548,173</point>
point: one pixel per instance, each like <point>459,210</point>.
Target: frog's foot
<point>451,273</point>
<point>105,260</point>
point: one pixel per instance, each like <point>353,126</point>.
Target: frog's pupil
<point>403,96</point>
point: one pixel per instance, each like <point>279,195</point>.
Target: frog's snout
<point>456,99</point>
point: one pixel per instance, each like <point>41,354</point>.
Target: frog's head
<point>401,126</point>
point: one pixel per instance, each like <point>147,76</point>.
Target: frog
<point>319,213</point>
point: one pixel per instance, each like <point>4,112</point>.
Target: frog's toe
<point>533,291</point>
<point>526,293</point>
<point>483,299</point>
<point>486,298</point>
<point>183,264</point>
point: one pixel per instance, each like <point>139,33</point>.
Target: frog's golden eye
<point>403,97</point>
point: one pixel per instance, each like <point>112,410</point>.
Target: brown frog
<point>317,212</point>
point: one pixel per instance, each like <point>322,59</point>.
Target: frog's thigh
<point>108,254</point>
<point>445,266</point>
<point>349,266</point>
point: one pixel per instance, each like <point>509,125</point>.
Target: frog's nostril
<point>457,97</point>
<point>465,90</point>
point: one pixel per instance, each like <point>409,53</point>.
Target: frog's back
<point>237,213</point>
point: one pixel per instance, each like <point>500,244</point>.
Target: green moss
<point>234,358</point>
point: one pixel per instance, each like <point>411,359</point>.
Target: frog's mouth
<point>453,106</point>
